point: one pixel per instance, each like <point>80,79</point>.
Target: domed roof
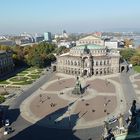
<point>89,46</point>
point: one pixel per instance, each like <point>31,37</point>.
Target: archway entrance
<point>85,72</point>
<point>122,69</point>
<point>53,68</point>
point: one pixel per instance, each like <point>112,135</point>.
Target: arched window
<point>68,62</point>
<point>101,63</point>
<point>96,63</point>
<point>71,62</point>
<point>107,61</point>
<point>75,63</point>
<point>78,63</point>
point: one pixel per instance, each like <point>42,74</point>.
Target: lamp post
<point>69,116</point>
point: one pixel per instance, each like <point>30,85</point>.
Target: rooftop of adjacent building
<point>90,37</point>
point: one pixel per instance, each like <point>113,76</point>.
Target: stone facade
<point>88,60</point>
<point>6,63</point>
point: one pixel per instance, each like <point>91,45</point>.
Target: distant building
<point>64,34</point>
<point>24,39</point>
<point>91,39</point>
<point>7,42</point>
<point>6,63</point>
<point>112,44</point>
<point>63,43</point>
<point>67,44</point>
<point>39,38</point>
<point>47,36</point>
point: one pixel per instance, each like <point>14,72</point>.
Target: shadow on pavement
<point>133,123</point>
<point>38,131</point>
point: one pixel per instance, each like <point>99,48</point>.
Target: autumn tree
<point>135,60</point>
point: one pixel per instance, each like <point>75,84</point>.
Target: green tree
<point>37,61</point>
<point>18,56</point>
<point>2,99</point>
<point>127,53</point>
<point>61,50</point>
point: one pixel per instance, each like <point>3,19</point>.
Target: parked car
<point>7,123</point>
<point>6,131</point>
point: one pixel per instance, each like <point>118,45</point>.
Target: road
<point>128,90</point>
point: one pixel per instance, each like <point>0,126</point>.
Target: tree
<point>6,48</point>
<point>38,55</point>
<point>18,56</point>
<point>127,53</point>
<point>61,50</point>
<point>135,60</point>
<point>128,43</point>
<point>2,99</point>
<point>37,61</point>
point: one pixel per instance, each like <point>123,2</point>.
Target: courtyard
<point>57,107</point>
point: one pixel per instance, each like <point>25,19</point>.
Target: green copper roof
<point>90,46</point>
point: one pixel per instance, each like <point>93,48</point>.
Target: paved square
<point>57,106</point>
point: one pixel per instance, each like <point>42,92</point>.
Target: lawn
<point>20,79</point>
<point>34,76</point>
<point>33,68</point>
<point>24,83</point>
<point>35,72</point>
<point>23,73</point>
<point>137,69</point>
<point>4,82</point>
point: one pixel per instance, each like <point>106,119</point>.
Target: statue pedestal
<point>77,89</point>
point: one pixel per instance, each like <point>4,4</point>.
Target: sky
<point>75,16</point>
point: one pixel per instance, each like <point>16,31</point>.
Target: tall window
<point>96,63</point>
<point>71,63</point>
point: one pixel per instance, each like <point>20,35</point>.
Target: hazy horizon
<point>75,16</point>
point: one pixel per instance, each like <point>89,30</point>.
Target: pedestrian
<point>40,97</point>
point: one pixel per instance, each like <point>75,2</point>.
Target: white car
<point>6,131</point>
<point>7,122</point>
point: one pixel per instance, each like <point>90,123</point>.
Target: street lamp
<point>69,116</point>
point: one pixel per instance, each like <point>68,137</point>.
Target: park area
<point>25,77</point>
